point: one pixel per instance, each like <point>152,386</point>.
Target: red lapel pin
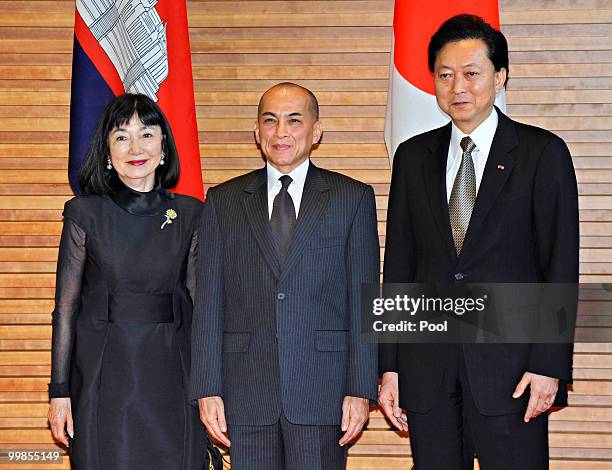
<point>501,167</point>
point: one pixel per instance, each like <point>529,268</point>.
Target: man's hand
<point>212,414</point>
<point>542,393</point>
<point>388,399</point>
<point>60,419</point>
<point>355,412</point>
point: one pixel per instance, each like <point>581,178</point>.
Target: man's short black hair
<point>467,26</point>
<point>314,103</point>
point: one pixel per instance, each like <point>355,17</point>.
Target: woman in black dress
<point>122,318</point>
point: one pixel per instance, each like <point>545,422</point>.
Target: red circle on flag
<point>415,21</point>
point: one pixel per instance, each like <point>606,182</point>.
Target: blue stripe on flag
<point>89,96</point>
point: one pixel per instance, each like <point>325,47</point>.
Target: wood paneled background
<point>561,79</point>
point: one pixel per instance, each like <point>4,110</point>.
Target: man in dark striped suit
<point>278,366</point>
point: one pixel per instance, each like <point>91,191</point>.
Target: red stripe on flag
<point>97,55</point>
<point>176,96</point>
<point>414,23</point>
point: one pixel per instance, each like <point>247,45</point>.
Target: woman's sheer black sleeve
<point>191,266</point>
<point>69,276</point>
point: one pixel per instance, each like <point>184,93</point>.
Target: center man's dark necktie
<point>463,195</point>
<point>283,217</point>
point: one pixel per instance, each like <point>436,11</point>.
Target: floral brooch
<point>170,215</point>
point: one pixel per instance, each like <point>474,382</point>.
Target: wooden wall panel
<point>561,78</point>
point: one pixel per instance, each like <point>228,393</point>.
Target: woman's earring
<point>109,165</point>
<point>161,162</point>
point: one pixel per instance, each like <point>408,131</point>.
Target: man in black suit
<point>277,358</point>
<point>482,199</point>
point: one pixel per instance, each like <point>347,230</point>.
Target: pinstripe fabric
<point>287,446</point>
<point>257,447</point>
<point>275,340</point>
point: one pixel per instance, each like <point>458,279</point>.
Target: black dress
<point>121,330</point>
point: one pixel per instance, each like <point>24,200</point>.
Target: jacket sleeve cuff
<point>59,390</point>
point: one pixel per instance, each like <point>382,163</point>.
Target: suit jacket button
<point>280,296</point>
<point>459,276</point>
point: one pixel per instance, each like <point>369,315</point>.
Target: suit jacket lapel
<point>256,210</point>
<point>434,169</point>
<point>315,198</point>
<point>500,163</point>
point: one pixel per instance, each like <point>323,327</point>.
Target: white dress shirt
<point>295,189</point>
<point>482,138</point>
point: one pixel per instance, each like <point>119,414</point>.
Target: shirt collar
<point>298,175</point>
<point>482,136</point>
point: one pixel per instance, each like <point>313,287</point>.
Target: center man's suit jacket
<point>271,337</point>
<point>523,229</point>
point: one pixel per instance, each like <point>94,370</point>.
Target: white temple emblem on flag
<point>134,38</point>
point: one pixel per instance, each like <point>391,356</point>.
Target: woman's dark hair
<point>94,176</point>
<point>466,26</point>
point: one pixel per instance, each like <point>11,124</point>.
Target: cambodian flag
<point>411,102</point>
<point>137,46</point>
